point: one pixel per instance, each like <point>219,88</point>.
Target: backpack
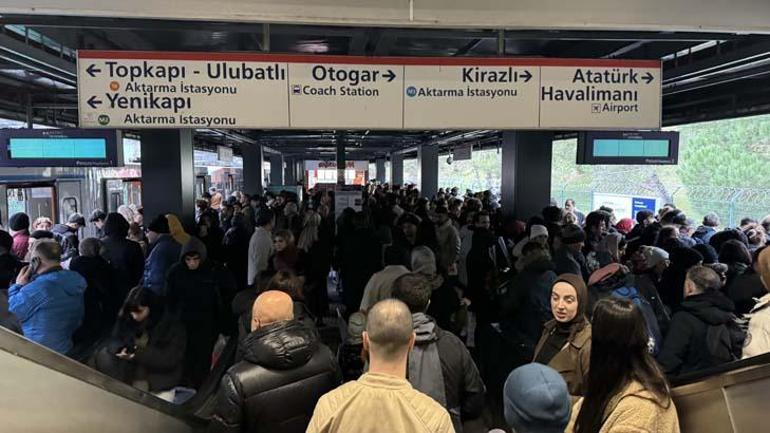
<point>653,329</point>
<point>725,342</point>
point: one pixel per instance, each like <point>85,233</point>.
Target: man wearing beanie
<point>536,400</point>
<point>569,258</point>
<point>164,252</point>
<point>19,228</point>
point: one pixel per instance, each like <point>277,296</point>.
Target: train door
<point>200,185</point>
<point>35,199</point>
<point>229,185</point>
<point>118,192</point>
<point>69,199</point>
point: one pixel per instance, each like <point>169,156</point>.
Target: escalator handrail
<point>21,347</point>
<point>699,376</point>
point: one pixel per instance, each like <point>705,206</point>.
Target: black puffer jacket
<point>276,387</point>
<point>526,305</point>
<point>685,347</point>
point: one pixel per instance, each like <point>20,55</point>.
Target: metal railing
<point>731,204</point>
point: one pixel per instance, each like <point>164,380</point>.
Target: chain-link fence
<point>731,204</point>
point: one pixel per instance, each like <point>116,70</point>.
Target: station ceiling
<point>706,75</point>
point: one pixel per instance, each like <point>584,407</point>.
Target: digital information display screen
<point>631,148</point>
<point>59,148</point>
<point>628,148</point>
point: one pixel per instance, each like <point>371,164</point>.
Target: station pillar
<point>379,163</point>
<point>168,174</point>
<point>341,162</point>
<point>526,172</point>
<point>427,166</point>
<point>276,169</point>
<point>253,173</point>
<point>397,169</point>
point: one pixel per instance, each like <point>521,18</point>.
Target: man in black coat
<point>285,371</point>
<point>699,336</point>
<point>126,261</point>
<point>439,364</point>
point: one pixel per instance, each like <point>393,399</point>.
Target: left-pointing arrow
<point>93,70</point>
<point>93,102</point>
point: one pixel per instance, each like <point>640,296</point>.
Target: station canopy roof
<point>706,76</point>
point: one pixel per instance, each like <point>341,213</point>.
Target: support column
<point>380,164</point>
<point>341,161</point>
<point>253,174</point>
<point>276,169</point>
<point>526,172</point>
<point>168,174</point>
<point>427,169</point>
<point>300,164</point>
<point>397,169</point>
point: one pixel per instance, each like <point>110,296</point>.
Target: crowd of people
<point>449,310</point>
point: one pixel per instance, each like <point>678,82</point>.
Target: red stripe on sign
<point>357,60</point>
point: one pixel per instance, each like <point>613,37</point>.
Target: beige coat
<point>377,403</point>
<point>635,410</point>
<point>573,359</point>
<point>758,337</point>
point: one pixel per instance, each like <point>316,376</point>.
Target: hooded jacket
<point>758,337</point>
<point>275,388</point>
<point>126,261</point>
<point>685,348</point>
<point>201,297</point>
<point>634,409</point>
<point>50,307</point>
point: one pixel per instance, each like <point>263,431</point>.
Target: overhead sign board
<point>134,89</point>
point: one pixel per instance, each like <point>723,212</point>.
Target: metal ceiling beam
<point>625,49</point>
<point>720,61</point>
<point>37,60</point>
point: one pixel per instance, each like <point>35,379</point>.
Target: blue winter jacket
<point>50,308</point>
<point>164,254</point>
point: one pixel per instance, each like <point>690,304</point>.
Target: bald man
<point>284,372</point>
<point>382,400</point>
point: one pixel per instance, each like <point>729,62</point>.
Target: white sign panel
<point>600,97</point>
<point>440,96</point>
<point>345,96</point>
<point>152,92</point>
<point>125,89</point>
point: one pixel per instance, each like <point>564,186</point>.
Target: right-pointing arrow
<point>648,77</point>
<point>526,75</point>
<point>93,102</point>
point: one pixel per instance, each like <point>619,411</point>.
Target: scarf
<point>425,372</point>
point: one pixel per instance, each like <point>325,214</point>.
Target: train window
<point>35,202</point>
<point>69,206</point>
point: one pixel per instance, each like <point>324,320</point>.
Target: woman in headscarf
<point>565,344</point>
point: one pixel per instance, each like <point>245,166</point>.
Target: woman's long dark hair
<point>619,355</point>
